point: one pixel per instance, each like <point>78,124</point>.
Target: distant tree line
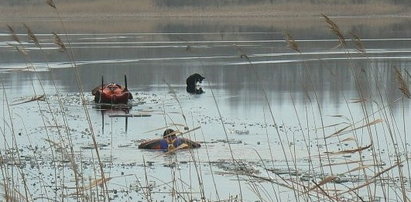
<point>219,3</point>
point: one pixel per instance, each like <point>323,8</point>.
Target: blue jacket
<point>164,144</point>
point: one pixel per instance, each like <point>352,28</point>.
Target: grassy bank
<point>145,16</point>
<point>147,8</point>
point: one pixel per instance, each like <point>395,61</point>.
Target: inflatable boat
<point>112,93</point>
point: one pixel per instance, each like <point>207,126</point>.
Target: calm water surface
<point>310,95</point>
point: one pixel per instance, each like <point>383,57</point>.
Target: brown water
<point>310,95</point>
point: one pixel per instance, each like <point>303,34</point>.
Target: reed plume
<point>31,36</point>
<point>336,30</point>
<point>403,85</point>
<point>291,43</point>
<point>13,34</point>
<point>51,4</point>
<point>59,42</point>
<point>358,43</point>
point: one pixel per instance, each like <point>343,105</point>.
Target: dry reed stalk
<point>321,117</point>
<point>359,46</point>
<point>70,55</point>
<point>71,157</point>
<point>338,132</point>
<point>325,181</point>
<point>271,152</point>
<point>266,169</point>
<point>344,163</point>
<point>331,125</point>
<point>336,30</point>
<point>147,192</point>
<point>291,43</point>
<point>403,84</point>
<point>51,4</point>
<point>13,195</point>
<point>344,131</point>
<point>226,136</point>
<point>321,183</point>
<point>362,91</point>
<point>306,140</point>
<point>94,183</point>
<point>210,166</point>
<point>372,179</point>
<point>22,51</point>
<point>292,153</point>
<point>287,185</point>
<point>198,172</point>
<point>34,98</point>
<point>392,137</point>
<point>408,73</point>
<point>358,168</point>
<point>13,34</point>
<point>360,100</point>
<point>59,42</point>
<point>66,155</point>
<point>36,158</point>
<point>348,139</point>
<point>244,55</point>
<point>162,128</point>
<point>350,151</point>
<point>32,36</point>
<point>16,156</point>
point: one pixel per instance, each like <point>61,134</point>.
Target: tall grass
<point>322,185</point>
<point>71,56</point>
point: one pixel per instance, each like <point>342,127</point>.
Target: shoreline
<point>120,24</point>
<point>146,8</point>
<point>129,16</point>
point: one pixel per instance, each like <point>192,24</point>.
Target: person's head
<point>166,134</point>
<point>113,86</point>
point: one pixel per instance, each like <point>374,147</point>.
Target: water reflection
<point>155,60</point>
<point>108,111</point>
<point>328,78</point>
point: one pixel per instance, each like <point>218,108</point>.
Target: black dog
<point>192,84</point>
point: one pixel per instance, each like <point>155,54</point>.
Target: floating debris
<point>239,166</point>
<point>125,145</point>
<point>242,132</point>
<point>34,98</point>
<point>129,115</point>
<point>91,146</point>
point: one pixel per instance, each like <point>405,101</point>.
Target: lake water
<point>269,113</point>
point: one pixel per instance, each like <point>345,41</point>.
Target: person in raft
<point>169,141</point>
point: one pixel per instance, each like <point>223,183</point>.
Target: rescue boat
<point>112,93</point>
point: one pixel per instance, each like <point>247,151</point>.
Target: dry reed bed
<point>321,175</point>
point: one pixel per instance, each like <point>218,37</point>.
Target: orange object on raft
<point>162,144</point>
<point>112,93</point>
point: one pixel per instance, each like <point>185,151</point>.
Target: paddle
<point>182,146</point>
<point>102,87</point>
<point>170,151</point>
<point>125,82</point>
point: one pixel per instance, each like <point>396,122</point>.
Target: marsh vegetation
<point>312,112</point>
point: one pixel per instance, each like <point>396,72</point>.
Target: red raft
<point>112,93</point>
